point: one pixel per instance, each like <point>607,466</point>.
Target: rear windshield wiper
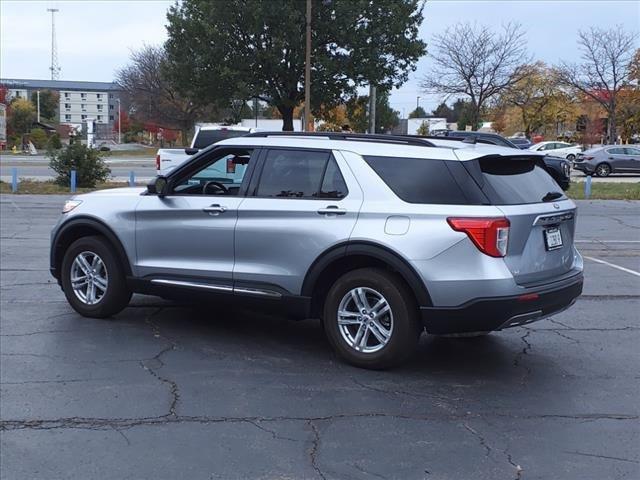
<point>551,196</point>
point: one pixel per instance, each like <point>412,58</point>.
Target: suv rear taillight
<point>490,235</point>
<point>158,162</point>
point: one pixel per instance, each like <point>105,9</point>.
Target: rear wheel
<point>371,319</point>
<point>571,157</point>
<point>603,170</point>
<point>93,279</point>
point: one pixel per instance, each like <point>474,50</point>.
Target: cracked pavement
<point>169,391</point>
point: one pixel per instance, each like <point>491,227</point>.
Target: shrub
<point>54,142</point>
<point>38,137</point>
<point>423,129</point>
<point>88,164</point>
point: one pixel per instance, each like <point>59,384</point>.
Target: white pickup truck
<point>169,158</point>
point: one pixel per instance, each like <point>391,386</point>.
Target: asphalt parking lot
<point>168,391</point>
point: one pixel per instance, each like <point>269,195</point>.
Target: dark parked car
<point>493,138</point>
<point>603,161</point>
<point>521,142</point>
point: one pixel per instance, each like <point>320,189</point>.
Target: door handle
<point>332,210</point>
<point>215,209</point>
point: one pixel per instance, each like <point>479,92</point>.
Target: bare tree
<point>605,69</point>
<point>152,97</point>
<point>476,62</point>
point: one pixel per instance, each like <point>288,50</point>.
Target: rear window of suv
<point>517,181</point>
<point>418,180</point>
<point>204,138</point>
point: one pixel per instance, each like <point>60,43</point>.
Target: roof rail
<point>354,137</point>
<point>465,139</point>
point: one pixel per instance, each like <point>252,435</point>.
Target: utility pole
<point>372,108</point>
<point>119,120</point>
<point>38,103</point>
<point>255,109</point>
<point>417,103</point>
<point>55,68</point>
<point>308,127</point>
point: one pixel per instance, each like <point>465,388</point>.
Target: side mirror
<point>191,151</point>
<point>158,186</point>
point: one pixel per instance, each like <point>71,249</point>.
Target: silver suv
<point>381,238</point>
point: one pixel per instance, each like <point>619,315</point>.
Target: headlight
<point>566,169</point>
<point>70,205</point>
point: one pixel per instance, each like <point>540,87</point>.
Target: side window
<point>616,151</point>
<point>292,174</point>
<point>221,175</point>
<point>418,180</point>
<point>632,151</point>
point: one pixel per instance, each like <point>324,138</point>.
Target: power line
<point>55,68</point>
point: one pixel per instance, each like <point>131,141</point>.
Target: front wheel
<point>571,157</point>
<point>371,319</point>
<point>603,170</point>
<point>93,279</point>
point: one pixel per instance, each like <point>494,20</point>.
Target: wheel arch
<point>348,256</point>
<point>83,227</point>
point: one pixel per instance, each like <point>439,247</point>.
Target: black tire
<point>571,157</point>
<point>603,170</point>
<point>406,328</point>
<point>117,295</point>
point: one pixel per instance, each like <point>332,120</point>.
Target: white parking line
<point>607,241</point>
<point>612,265</point>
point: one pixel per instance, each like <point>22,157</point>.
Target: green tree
<point>466,116</point>
<point>386,117</point>
<point>22,115</point>
<point>48,103</point>
<point>444,111</point>
<point>423,129</point>
<point>246,48</point>
<point>38,137</point>
<point>87,162</point>
<point>419,112</point>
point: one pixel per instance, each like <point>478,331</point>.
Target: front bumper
<point>496,313</point>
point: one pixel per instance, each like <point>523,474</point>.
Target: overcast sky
<point>95,37</point>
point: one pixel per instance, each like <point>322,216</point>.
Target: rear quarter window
<point>418,180</point>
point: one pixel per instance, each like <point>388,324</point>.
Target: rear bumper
<point>496,313</point>
<point>583,167</point>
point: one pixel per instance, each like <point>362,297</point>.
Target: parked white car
<point>558,149</point>
<point>169,158</point>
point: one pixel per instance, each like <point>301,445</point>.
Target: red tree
<point>3,94</point>
<point>126,122</point>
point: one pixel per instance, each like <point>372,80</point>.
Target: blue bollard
<point>132,178</point>
<point>73,181</point>
<point>587,187</point>
<point>14,180</point>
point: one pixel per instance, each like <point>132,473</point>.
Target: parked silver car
<point>603,161</point>
<point>381,239</point>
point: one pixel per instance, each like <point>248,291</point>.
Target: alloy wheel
<point>89,278</point>
<point>603,170</point>
<point>365,320</point>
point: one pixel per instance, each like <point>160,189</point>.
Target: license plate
<point>552,238</point>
